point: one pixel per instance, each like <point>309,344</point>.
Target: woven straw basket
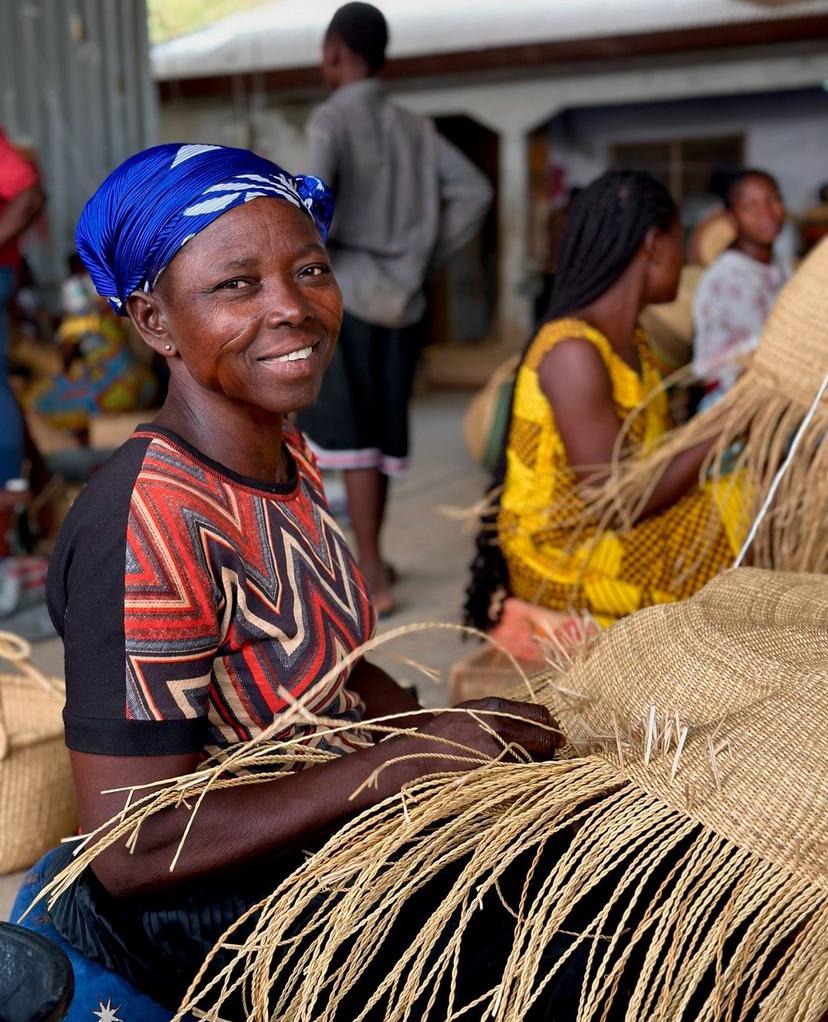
<point>793,353</point>
<point>743,666</point>
<point>37,802</point>
<point>693,797</point>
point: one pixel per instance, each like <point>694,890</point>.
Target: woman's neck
<point>246,440</point>
<point>615,314</point>
<point>755,250</point>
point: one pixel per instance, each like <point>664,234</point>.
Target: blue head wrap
<point>160,198</point>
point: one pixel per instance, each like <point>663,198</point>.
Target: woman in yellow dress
<point>586,369</point>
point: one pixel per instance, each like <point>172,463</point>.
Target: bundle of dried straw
<point>694,785</point>
<point>761,414</point>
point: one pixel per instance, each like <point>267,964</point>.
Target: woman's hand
<point>241,823</point>
<point>488,726</point>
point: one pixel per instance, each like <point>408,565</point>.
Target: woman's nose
<point>287,305</point>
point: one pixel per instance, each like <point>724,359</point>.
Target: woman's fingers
<point>533,730</point>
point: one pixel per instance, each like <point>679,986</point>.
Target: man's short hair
<point>364,30</point>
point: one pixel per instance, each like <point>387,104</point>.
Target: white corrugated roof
<point>288,33</point>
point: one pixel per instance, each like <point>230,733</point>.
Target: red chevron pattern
<point>233,593</point>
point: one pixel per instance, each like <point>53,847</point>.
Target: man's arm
<point>466,195</point>
<point>323,149</point>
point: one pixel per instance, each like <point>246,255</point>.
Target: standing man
<point>406,200</point>
<point>21,200</point>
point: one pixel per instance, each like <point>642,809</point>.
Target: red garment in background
<point>16,175</point>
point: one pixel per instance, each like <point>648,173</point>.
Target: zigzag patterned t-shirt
<point>195,604</point>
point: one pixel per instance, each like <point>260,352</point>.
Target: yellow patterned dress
<point>556,558</point>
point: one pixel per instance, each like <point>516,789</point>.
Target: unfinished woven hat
<point>753,426</point>
<point>693,806</point>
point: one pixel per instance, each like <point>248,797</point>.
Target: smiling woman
<point>200,582</point>
<point>247,335</point>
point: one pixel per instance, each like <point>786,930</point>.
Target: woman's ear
<point>654,245</point>
<point>148,314</point>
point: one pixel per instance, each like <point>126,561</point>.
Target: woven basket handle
<point>17,651</point>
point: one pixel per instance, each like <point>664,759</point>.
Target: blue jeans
<point>11,424</point>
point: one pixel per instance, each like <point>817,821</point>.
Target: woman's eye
<point>235,284</point>
<point>317,270</point>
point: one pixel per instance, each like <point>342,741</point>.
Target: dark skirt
<point>360,419</point>
<point>158,942</point>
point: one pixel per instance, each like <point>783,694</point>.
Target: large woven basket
<point>37,801</point>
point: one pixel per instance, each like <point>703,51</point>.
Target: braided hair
<point>607,225</point>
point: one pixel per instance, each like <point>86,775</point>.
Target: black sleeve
<point>85,593</point>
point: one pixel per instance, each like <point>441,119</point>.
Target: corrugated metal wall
<point>75,84</point>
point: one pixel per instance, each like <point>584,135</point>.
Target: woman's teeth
<point>294,356</point>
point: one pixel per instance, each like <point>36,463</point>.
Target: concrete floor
<point>430,551</point>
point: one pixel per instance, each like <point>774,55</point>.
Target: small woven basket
<point>37,801</point>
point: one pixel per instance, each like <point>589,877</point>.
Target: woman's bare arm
<point>238,824</point>
<point>575,381</point>
<point>383,697</point>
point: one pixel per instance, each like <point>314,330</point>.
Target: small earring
<point>167,347</point>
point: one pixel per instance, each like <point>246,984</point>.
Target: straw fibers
<point>675,855</point>
<point>758,415</point>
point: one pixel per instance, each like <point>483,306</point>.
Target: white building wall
<point>785,134</point>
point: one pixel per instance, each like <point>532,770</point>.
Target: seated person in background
<point>101,374</point>
<point>739,288</point>
<point>21,200</point>
<point>588,367</point>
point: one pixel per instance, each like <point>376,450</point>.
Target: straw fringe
<point>324,926</point>
<point>347,896</point>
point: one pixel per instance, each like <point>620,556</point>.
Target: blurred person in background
<point>99,373</point>
<point>736,293</point>
<point>586,370</point>
<point>21,200</point>
<point>406,200</point>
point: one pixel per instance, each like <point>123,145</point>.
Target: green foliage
<point>171,18</point>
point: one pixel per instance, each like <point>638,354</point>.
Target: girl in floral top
<point>735,295</point>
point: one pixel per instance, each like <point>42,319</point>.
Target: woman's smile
<point>304,361</point>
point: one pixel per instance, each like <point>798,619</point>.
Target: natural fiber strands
<point>760,414</point>
<point>675,864</point>
<point>717,909</point>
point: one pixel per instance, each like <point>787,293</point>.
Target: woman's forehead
<point>754,186</point>
<point>258,227</point>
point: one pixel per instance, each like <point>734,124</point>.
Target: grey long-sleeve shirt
<point>406,199</point>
